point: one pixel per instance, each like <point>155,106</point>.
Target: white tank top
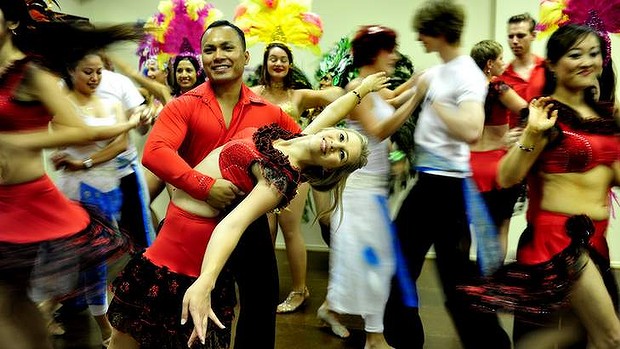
<point>378,162</point>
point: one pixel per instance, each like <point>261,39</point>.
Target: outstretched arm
<point>342,106</point>
<point>45,88</point>
<point>382,129</point>
<point>319,98</point>
<point>159,90</point>
<point>511,100</point>
<point>197,300</point>
<point>395,94</point>
<point>107,153</point>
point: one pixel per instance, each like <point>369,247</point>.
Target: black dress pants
<point>434,214</point>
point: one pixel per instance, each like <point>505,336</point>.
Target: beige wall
<point>486,19</point>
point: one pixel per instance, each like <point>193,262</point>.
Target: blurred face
<point>386,61</point>
<point>87,74</point>
<point>153,72</point>
<point>5,28</point>
<point>520,38</point>
<point>333,148</point>
<point>223,57</point>
<point>278,64</point>
<point>578,68</point>
<point>497,66</point>
<point>326,81</point>
<point>185,75</point>
<point>431,44</point>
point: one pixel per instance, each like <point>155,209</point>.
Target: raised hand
<point>375,82</point>
<point>541,118</point>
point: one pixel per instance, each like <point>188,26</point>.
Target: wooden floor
<point>302,330</point>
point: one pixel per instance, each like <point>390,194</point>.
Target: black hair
<point>225,23</point>
<point>172,73</point>
<point>561,41</point>
<point>265,79</point>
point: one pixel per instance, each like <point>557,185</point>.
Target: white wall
<point>486,19</point>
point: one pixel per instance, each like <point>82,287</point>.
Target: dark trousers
<point>434,214</point>
<point>253,264</point>
<point>132,219</point>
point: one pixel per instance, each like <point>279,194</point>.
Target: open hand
<point>375,82</point>
<point>197,303</point>
<point>541,118</point>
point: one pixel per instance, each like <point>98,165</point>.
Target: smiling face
<point>185,75</point>
<point>578,67</point>
<point>223,55</point>
<point>278,63</point>
<point>520,38</point>
<point>87,74</point>
<point>153,72</point>
<point>333,148</point>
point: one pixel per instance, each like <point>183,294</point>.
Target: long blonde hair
<point>335,179</point>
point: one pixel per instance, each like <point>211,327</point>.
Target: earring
<point>13,32</point>
<point>488,71</point>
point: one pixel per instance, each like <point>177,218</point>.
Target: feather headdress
<point>286,21</point>
<point>175,30</point>
<point>600,15</point>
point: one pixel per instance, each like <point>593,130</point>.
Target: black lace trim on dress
<point>605,124</point>
<point>276,166</point>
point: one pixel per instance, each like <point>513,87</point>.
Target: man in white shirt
<point>434,213</point>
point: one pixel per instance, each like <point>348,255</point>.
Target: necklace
<point>277,85</point>
<point>85,108</point>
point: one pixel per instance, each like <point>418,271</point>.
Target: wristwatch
<point>88,163</point>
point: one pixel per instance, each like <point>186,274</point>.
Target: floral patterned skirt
<point>147,306</point>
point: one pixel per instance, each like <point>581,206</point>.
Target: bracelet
<point>357,94</point>
<point>87,163</point>
<point>525,148</point>
<point>396,155</point>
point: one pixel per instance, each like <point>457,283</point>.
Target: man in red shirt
<point>526,73</point>
<point>191,126</point>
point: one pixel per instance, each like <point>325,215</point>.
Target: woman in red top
<point>268,167</point>
<point>569,153</point>
<point>489,149</point>
<point>44,235</point>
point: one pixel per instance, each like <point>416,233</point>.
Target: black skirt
<point>147,306</point>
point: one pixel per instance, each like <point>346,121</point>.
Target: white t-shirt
<point>117,88</point>
<point>457,81</point>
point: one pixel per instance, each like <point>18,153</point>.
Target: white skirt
<point>362,260</point>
